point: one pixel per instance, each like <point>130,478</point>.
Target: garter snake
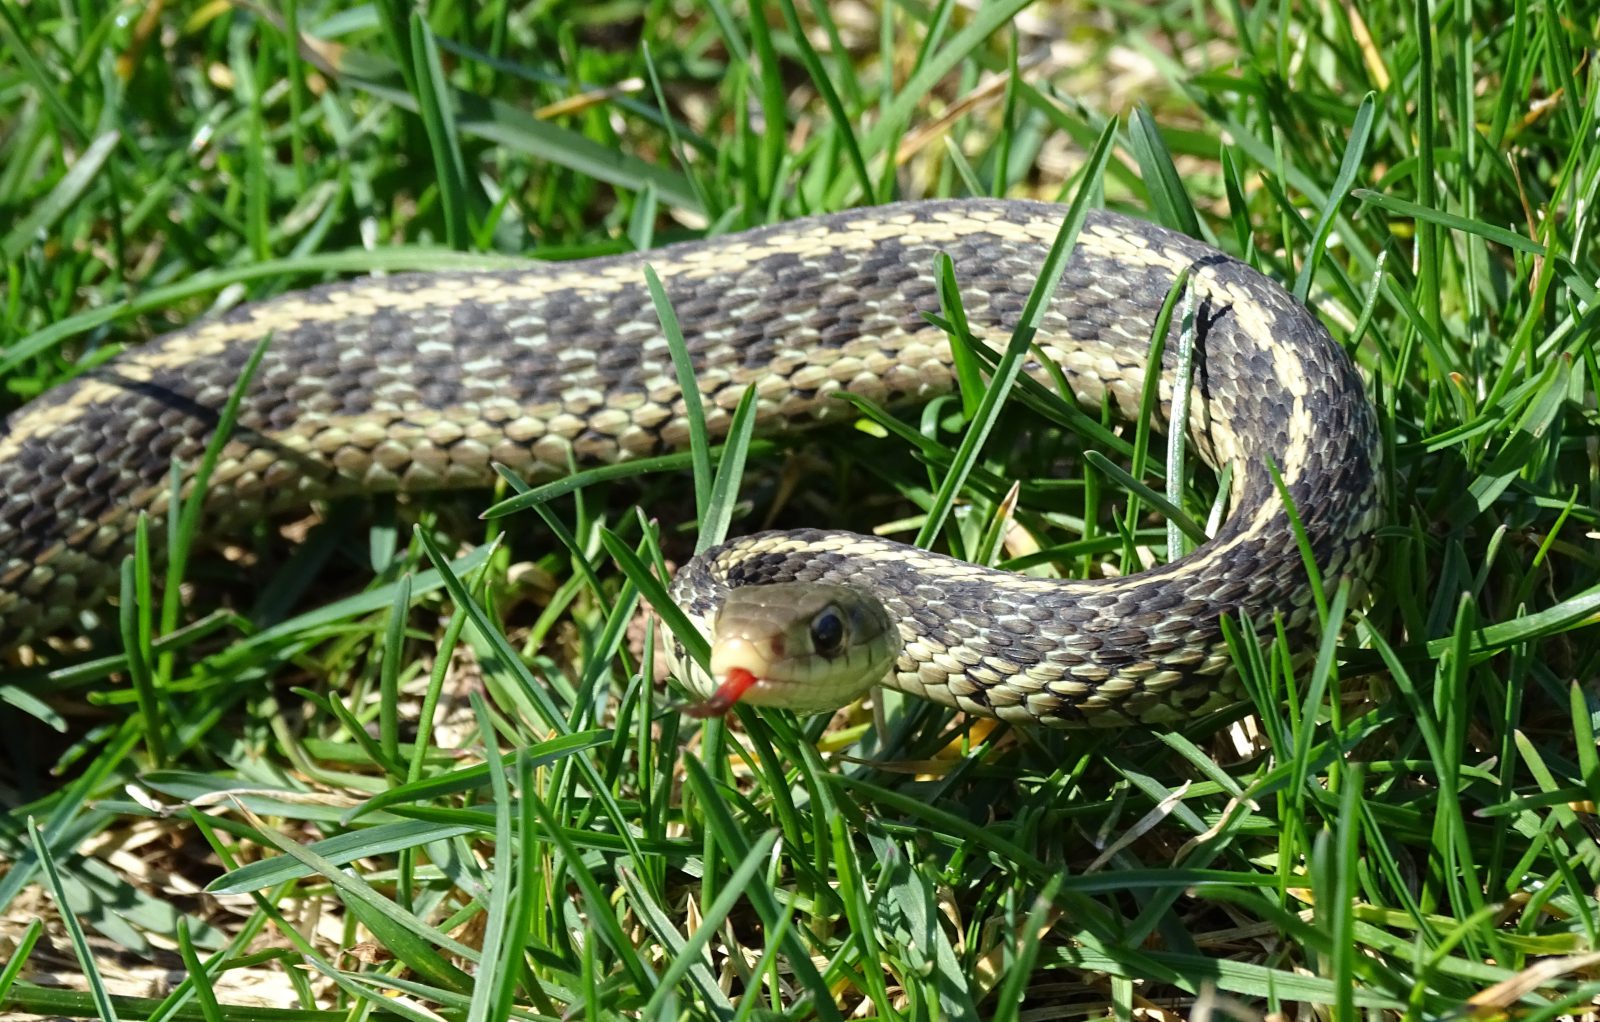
<point>425,381</point>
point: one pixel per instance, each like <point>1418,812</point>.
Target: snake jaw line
<point>745,665</point>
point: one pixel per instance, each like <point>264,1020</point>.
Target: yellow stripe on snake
<point>424,382</point>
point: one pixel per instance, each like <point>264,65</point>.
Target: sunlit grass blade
<point>1354,156</point>
<point>80,942</point>
<point>1171,202</point>
<point>1010,364</point>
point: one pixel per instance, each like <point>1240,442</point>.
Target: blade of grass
<point>1010,364</point>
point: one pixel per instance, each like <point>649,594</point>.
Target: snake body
<point>423,382</point>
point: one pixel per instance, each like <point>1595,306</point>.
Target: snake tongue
<point>737,684</point>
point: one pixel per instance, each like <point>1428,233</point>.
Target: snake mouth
<point>757,655</point>
<point>739,681</point>
<point>744,665</point>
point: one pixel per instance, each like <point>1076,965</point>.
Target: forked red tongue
<point>722,700</point>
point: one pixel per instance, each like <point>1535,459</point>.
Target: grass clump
<point>389,776</point>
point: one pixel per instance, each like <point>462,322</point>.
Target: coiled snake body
<point>420,382</point>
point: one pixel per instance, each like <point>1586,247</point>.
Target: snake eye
<point>827,631</point>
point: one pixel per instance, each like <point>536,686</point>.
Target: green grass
<point>423,776</point>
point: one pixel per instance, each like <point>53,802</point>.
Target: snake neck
<point>1145,649</point>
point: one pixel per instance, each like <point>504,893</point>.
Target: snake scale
<point>425,381</point>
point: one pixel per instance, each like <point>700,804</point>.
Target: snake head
<point>803,646</point>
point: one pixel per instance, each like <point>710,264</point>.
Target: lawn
<point>266,793</point>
